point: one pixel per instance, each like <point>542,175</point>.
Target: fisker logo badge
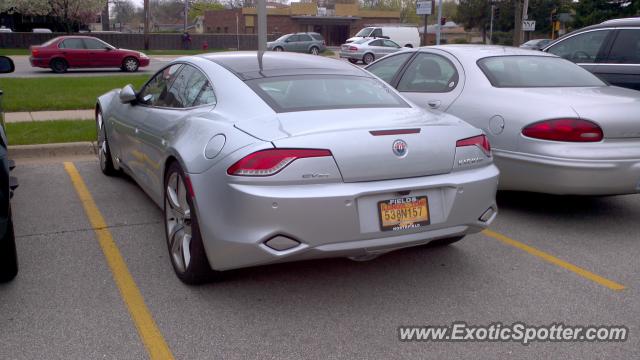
<point>400,148</point>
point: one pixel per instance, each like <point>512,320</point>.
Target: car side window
<point>293,38</point>
<point>389,43</point>
<point>376,33</point>
<point>376,43</point>
<point>581,48</point>
<point>304,37</point>
<point>626,47</point>
<point>93,44</point>
<point>429,73</point>
<point>71,44</point>
<point>155,91</point>
<point>190,88</point>
<point>387,68</point>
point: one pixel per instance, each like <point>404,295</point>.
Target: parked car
<point>290,158</point>
<point>41,30</point>
<point>4,29</point>
<point>310,42</point>
<point>407,36</point>
<point>536,44</point>
<point>555,127</point>
<point>611,50</point>
<point>8,256</point>
<point>64,52</point>
<point>367,50</point>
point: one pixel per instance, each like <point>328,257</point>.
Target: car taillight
<point>480,141</point>
<point>34,52</point>
<point>272,161</point>
<point>353,48</point>
<point>571,130</point>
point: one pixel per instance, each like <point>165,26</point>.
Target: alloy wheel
<point>178,222</point>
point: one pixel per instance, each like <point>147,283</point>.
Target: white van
<point>406,36</point>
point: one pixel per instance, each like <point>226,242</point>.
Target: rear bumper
<point>567,176</point>
<point>39,62</point>
<point>331,219</point>
<point>351,55</point>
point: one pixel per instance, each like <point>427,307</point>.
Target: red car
<point>66,52</point>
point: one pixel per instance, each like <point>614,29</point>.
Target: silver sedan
<point>368,50</point>
<point>289,158</point>
<point>555,127</point>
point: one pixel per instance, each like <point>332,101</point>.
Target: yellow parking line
<point>147,329</point>
<point>554,260</point>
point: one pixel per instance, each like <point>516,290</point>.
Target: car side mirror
<point>6,65</point>
<point>128,95</point>
<point>108,48</point>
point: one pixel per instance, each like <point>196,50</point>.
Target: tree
<point>198,7</point>
<point>589,12</point>
<point>69,12</point>
<point>124,11</point>
<point>474,14</point>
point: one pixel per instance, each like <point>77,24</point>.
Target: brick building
<point>335,21</point>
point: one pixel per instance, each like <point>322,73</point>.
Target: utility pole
<point>146,24</point>
<point>493,8</point>
<point>517,22</point>
<point>425,37</point>
<point>525,16</point>
<point>186,14</point>
<point>105,16</point>
<point>262,29</point>
<point>439,22</point>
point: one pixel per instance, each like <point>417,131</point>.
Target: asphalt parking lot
<point>547,260</point>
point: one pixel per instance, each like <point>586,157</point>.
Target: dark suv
<point>8,258</point>
<point>610,50</point>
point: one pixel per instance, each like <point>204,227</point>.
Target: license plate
<point>403,213</point>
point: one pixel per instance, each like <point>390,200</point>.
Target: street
<point>64,304</point>
<point>24,69</point>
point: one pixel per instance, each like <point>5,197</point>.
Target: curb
<point>52,150</point>
<point>28,116</point>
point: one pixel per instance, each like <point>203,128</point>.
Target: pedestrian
<point>186,40</point>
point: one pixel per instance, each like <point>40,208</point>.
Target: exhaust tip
<point>281,243</point>
<point>487,214</point>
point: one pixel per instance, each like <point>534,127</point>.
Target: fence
<point>136,41</point>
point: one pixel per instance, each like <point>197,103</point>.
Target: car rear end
<point>319,41</point>
<point>327,177</point>
<point>354,50</point>
<point>41,54</point>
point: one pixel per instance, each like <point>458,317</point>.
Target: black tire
<point>444,242</point>
<point>278,48</point>
<point>59,66</point>
<point>8,254</point>
<point>104,151</point>
<point>198,270</point>
<point>368,58</point>
<point>130,64</point>
<point>314,50</point>
<point>353,61</point>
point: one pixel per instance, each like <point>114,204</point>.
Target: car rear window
<point>325,92</point>
<point>523,71</point>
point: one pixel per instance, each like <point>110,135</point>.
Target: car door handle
<point>137,131</point>
<point>434,104</point>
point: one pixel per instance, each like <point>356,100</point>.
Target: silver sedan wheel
<point>178,222</point>
<point>102,143</point>
<point>131,64</point>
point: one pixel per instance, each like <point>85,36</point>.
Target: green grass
<point>8,52</point>
<point>61,92</point>
<point>328,53</point>
<point>47,132</point>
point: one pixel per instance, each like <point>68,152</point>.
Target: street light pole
<point>493,8</point>
<point>146,24</point>
<point>186,13</point>
<point>262,29</point>
<point>439,22</point>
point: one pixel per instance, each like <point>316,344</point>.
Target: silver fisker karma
<point>284,157</point>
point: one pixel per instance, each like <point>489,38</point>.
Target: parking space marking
<point>151,337</point>
<point>554,260</point>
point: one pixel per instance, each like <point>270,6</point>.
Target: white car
<point>406,36</point>
<point>42,30</point>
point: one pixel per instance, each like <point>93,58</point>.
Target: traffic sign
<point>424,7</point>
<point>528,25</point>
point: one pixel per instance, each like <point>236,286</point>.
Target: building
<point>335,21</point>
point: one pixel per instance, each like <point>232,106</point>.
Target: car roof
<point>245,65</point>
<point>477,52</point>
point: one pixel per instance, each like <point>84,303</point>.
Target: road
<point>65,304</point>
<point>24,69</point>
